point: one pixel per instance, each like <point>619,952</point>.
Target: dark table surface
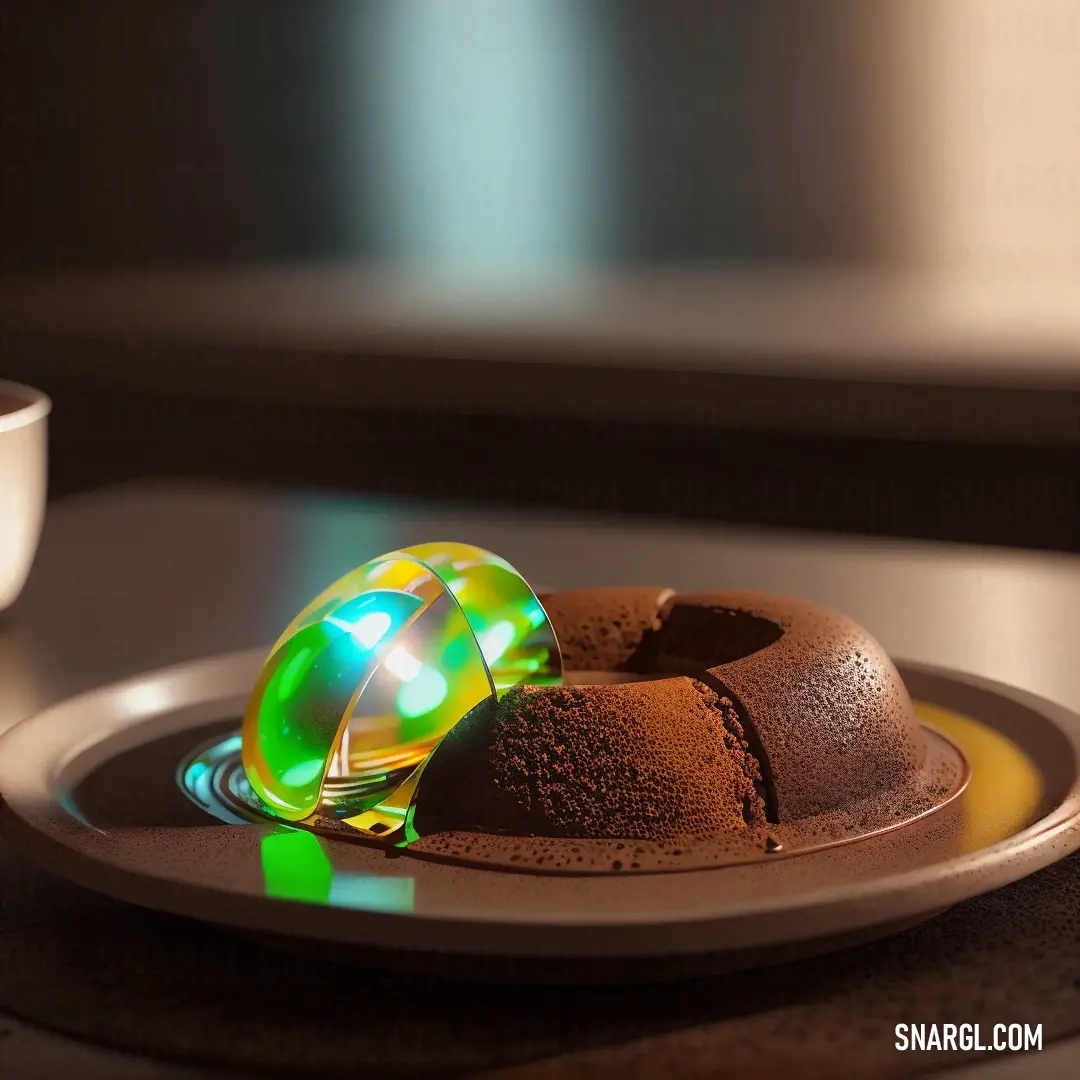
<point>149,575</point>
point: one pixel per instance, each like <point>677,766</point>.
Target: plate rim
<point>819,912</point>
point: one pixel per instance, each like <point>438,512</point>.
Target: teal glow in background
<point>491,158</point>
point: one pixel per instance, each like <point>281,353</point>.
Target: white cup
<point>23,483</point>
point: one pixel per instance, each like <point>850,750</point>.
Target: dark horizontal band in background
<point>1016,496</point>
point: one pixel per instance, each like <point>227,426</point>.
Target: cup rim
<point>35,405</point>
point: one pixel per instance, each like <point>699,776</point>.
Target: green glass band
<point>449,624</point>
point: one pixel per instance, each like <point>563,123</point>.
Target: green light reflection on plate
<point>296,867</point>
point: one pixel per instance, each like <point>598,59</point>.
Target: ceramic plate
<point>90,792</point>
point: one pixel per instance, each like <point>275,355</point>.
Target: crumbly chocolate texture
<point>909,807</point>
<point>600,629</point>
<point>829,716</point>
<point>785,711</point>
<point>632,761</point>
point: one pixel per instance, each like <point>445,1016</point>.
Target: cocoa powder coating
<point>772,709</point>
<point>636,761</point>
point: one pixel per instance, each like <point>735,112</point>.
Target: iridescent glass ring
<point>366,680</point>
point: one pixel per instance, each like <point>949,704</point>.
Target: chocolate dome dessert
<point>710,715</point>
<point>586,730</point>
<point>637,761</point>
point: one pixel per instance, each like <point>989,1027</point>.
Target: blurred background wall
<point>871,131</point>
<point>512,144</point>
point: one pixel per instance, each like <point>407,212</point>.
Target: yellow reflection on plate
<point>1005,792</point>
